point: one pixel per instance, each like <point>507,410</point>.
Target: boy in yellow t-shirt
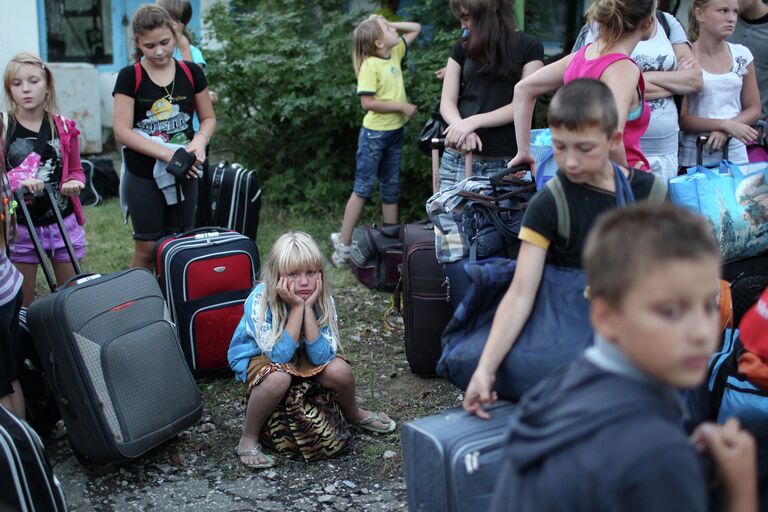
<point>378,52</point>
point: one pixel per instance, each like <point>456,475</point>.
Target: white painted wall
<point>18,31</point>
<point>77,93</point>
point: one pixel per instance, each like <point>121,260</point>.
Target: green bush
<point>283,70</point>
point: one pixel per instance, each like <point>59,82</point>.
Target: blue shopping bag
<point>541,150</point>
<point>734,198</point>
<point>556,332</point>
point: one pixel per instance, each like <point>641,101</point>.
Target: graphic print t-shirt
<point>21,142</point>
<point>160,111</point>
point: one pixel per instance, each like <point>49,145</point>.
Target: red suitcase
<point>206,274</point>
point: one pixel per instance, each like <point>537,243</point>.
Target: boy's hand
<point>285,290</point>
<point>479,394</point>
<point>310,302</point>
<point>733,449</point>
<point>409,110</point>
<point>71,188</point>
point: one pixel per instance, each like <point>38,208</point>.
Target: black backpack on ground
<point>375,256</point>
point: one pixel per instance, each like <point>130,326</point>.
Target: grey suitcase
<point>113,359</point>
<point>452,459</point>
<point>27,482</point>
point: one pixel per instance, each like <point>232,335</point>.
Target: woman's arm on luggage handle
<point>544,80</point>
<point>509,320</point>
<point>458,131</point>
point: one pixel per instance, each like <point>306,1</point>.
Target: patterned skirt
<point>308,423</point>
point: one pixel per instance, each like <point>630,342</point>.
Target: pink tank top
<point>580,67</point>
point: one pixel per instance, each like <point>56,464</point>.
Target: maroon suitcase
<point>206,274</point>
<point>426,299</point>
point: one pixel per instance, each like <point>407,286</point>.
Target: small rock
<point>207,427</point>
<point>364,490</point>
<point>124,472</point>
<point>271,475</point>
<point>389,454</point>
<point>349,484</point>
<point>326,498</point>
<point>124,483</point>
<point>165,468</point>
<point>329,489</point>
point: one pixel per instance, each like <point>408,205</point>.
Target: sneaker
<point>340,258</point>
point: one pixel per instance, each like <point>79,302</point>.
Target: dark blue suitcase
<point>452,459</point>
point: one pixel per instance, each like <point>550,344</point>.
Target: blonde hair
<point>293,251</point>
<point>694,27</point>
<point>364,39</point>
<point>148,17</point>
<point>617,17</point>
<point>49,104</point>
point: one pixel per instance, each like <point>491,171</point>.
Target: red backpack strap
<point>187,72</point>
<point>137,74</point>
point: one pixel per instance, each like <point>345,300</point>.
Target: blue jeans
<point>378,157</point>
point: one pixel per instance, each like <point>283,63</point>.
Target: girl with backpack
<point>154,103</point>
<point>729,102</point>
<point>289,330</point>
<point>42,149</point>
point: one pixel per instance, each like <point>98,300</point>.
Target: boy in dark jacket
<point>604,433</point>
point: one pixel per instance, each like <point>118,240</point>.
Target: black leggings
<point>151,217</point>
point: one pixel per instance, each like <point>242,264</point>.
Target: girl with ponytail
<point>622,24</point>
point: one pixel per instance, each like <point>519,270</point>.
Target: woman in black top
<point>476,103</point>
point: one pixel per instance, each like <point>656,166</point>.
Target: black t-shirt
<point>20,143</point>
<point>480,93</point>
<point>585,203</point>
<point>155,114</point>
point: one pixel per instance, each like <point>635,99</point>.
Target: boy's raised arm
<point>410,30</point>
<point>508,322</point>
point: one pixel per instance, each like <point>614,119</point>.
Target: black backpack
<point>375,256</point>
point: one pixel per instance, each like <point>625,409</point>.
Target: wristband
<point>207,138</point>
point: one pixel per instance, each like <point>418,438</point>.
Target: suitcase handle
<point>53,375</point>
<point>201,230</point>
<point>21,194</point>
<point>700,141</point>
<point>499,176</point>
<point>79,279</point>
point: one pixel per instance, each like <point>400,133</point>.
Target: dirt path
<point>199,469</point>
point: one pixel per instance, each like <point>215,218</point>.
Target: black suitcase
<point>114,362</point>
<point>42,410</point>
<point>26,479</point>
<point>426,298</point>
<point>206,275</point>
<point>452,459</point>
<point>234,198</point>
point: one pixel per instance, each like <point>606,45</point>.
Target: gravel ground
<point>200,471</point>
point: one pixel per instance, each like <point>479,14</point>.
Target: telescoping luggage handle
<point>436,145</point>
<point>21,194</point>
<point>700,141</point>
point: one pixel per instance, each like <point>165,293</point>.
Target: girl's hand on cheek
<point>312,299</point>
<point>285,290</point>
